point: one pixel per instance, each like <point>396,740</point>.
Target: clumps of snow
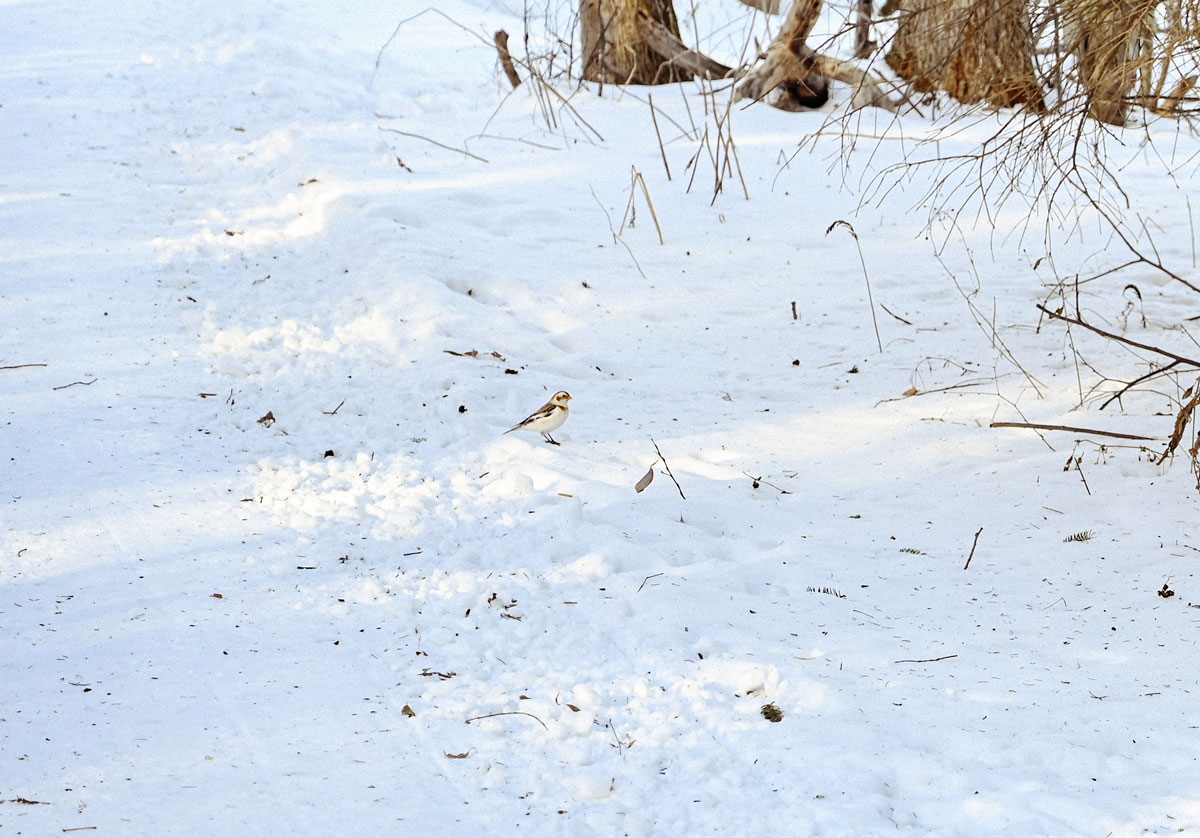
<point>389,498</point>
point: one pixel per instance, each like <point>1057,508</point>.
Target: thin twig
<point>668,468</point>
<point>616,238</point>
<point>22,366</point>
<point>1139,380</point>
<point>508,713</point>
<point>756,480</point>
<point>662,150</point>
<point>335,410</point>
<point>1077,462</point>
<point>1076,321</point>
<point>400,25</point>
<point>73,383</point>
<point>613,728</point>
<point>897,316</point>
<point>971,555</point>
<point>867,279</point>
<point>949,387</point>
<point>636,179</point>
<point>647,579</point>
<point>461,151</point>
<point>1035,426</point>
<point>928,660</point>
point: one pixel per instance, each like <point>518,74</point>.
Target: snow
<point>377,613</point>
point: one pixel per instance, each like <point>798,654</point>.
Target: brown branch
<point>73,383</point>
<point>897,316</point>
<point>674,51</point>
<point>22,366</point>
<point>971,555</point>
<point>501,40</point>
<point>1034,426</point>
<point>928,660</point>
<point>647,579</point>
<point>662,150</point>
<point>1139,380</point>
<point>668,468</point>
<point>461,151</point>
<point>1054,315</point>
<point>508,713</point>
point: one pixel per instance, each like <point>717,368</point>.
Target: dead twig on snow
<point>970,556</point>
<point>1034,426</point>
<point>647,579</point>
<point>73,383</point>
<point>928,660</point>
<point>867,279</point>
<point>668,468</point>
<point>1058,315</point>
<point>508,713</point>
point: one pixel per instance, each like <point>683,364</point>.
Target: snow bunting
<point>549,417</point>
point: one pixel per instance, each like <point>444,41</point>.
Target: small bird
<point>549,417</point>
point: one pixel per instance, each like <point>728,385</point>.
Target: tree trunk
<point>863,45</point>
<point>804,74</point>
<point>975,50</point>
<point>615,51</point>
<point>1110,42</point>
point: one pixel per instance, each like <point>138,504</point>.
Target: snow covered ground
<point>268,564</point>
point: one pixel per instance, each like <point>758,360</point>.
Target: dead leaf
<point>463,755</point>
<point>268,420</point>
<point>911,391</point>
<point>407,711</point>
<point>646,480</point>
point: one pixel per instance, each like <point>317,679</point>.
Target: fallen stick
<point>647,579</point>
<point>928,660</point>
<point>73,383</point>
<point>668,468</point>
<point>508,713</point>
<point>1116,397</point>
<point>1053,315</point>
<point>1034,426</point>
<point>971,555</point>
